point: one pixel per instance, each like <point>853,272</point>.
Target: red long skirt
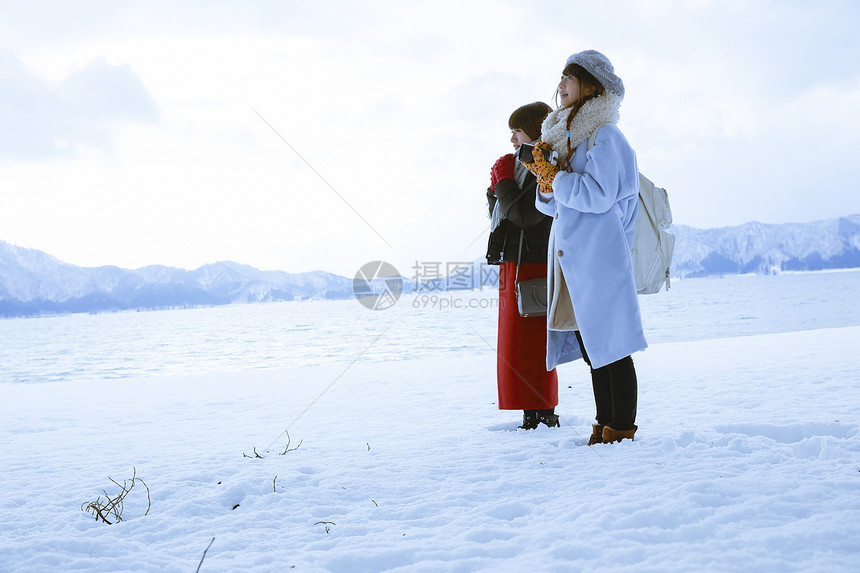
<point>524,383</point>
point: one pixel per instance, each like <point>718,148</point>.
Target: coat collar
<point>595,113</point>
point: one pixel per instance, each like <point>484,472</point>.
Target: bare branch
<point>148,497</point>
<point>326,524</point>
<point>112,507</point>
<point>289,440</point>
<point>204,555</point>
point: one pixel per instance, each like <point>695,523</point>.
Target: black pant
<point>615,391</point>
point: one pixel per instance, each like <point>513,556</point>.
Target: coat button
<point>556,215</point>
<point>560,252</point>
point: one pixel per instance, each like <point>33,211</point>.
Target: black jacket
<point>518,213</point>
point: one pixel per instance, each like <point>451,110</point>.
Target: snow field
<point>747,458</point>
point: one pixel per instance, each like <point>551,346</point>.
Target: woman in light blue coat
<point>593,197</point>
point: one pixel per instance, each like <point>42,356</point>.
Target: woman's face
<point>518,137</point>
<point>568,91</point>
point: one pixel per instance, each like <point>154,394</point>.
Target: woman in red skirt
<point>519,232</point>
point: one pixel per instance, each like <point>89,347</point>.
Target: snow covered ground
<point>747,459</point>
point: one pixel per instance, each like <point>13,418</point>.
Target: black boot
<point>530,420</point>
<point>624,388</point>
<point>548,417</point>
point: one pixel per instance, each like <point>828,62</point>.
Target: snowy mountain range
<point>767,249</point>
<point>33,282</point>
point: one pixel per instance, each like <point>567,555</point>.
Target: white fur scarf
<point>595,113</point>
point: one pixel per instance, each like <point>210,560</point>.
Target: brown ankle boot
<point>596,434</point>
<point>611,436</point>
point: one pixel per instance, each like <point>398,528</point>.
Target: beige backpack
<point>652,246</point>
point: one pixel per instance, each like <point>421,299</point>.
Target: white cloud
<point>402,107</point>
<point>39,119</point>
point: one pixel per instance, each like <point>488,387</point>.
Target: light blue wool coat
<point>594,209</point>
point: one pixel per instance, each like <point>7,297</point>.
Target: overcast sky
<point>321,135</point>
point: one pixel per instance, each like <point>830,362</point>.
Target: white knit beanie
<point>600,67</point>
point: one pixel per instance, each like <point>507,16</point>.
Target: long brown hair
<point>589,88</point>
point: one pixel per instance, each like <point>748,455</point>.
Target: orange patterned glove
<point>542,169</point>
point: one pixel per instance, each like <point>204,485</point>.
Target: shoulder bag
<point>531,293</point>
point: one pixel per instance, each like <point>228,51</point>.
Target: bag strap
<point>519,255</point>
<point>593,137</point>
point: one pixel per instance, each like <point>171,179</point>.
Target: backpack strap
<point>593,137</point>
<point>519,256</point>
